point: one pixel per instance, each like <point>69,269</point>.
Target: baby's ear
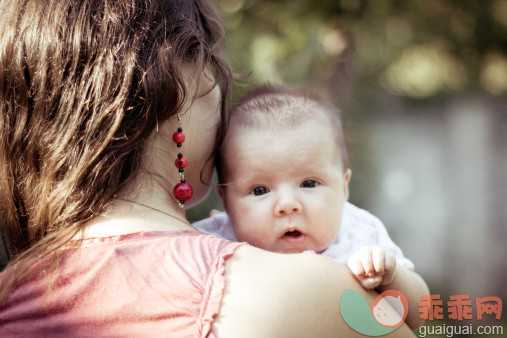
<point>221,191</point>
<point>346,177</point>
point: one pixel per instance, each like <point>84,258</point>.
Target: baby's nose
<point>287,204</point>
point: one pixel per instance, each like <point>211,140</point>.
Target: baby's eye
<point>260,190</point>
<point>309,184</point>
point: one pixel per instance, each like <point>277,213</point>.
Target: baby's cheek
<point>251,236</point>
<point>251,222</point>
<point>245,229</point>
<point>330,228</point>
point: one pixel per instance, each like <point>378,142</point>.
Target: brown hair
<point>276,107</point>
<point>82,85</point>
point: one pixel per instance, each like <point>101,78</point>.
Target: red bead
<point>178,137</point>
<point>180,162</point>
<point>183,191</point>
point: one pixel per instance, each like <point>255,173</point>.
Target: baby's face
<point>285,190</point>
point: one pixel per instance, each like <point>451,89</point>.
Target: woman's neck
<point>150,208</point>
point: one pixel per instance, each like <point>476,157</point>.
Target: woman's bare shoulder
<point>280,295</point>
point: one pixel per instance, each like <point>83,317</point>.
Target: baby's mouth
<point>293,233</point>
<point>294,236</point>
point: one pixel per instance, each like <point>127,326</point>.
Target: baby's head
<point>283,170</point>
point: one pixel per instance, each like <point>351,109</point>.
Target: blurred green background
<point>423,86</point>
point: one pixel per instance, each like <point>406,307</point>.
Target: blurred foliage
<point>356,52</point>
<point>411,47</point>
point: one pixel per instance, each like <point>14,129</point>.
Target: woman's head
<point>82,85</point>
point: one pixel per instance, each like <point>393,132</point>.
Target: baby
<point>283,178</point>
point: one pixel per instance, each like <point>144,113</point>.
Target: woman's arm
<point>277,295</point>
<point>413,287</point>
<point>377,268</point>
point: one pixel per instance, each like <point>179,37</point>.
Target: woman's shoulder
<point>199,253</point>
<point>270,294</point>
<point>176,278</point>
<point>188,239</point>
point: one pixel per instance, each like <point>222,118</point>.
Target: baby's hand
<point>214,212</point>
<point>373,266</point>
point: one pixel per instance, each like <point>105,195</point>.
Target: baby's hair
<point>276,107</point>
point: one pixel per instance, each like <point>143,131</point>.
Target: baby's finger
<point>355,265</point>
<point>365,254</point>
<point>214,212</point>
<point>371,282</point>
<point>378,256</point>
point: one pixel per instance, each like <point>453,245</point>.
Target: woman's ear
<point>346,180</point>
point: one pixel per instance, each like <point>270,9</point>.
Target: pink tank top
<point>141,284</point>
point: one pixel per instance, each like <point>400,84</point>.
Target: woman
<point>91,94</point>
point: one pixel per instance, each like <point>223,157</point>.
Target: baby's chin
<point>287,249</point>
<point>293,250</point>
<point>298,250</point>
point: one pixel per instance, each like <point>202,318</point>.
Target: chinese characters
<point>459,307</point>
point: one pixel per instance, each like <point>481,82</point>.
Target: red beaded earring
<point>182,191</point>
